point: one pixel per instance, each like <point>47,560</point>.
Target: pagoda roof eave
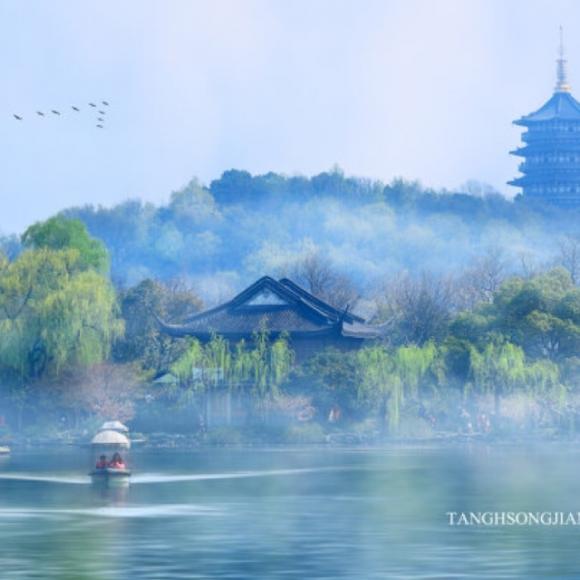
<point>537,149</point>
<point>561,106</point>
<point>526,180</point>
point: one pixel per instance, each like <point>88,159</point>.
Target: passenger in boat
<point>102,462</point>
<point>117,462</point>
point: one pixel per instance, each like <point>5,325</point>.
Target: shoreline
<point>180,442</point>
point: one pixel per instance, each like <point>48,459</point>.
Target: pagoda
<point>551,150</point>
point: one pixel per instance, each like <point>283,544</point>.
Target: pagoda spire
<point>562,85</point>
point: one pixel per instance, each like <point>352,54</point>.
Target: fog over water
<point>316,513</point>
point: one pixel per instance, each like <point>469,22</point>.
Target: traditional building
<point>551,150</point>
<point>281,307</point>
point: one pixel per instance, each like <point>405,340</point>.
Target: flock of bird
<point>100,118</point>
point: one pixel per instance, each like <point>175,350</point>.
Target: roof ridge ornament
<point>562,85</point>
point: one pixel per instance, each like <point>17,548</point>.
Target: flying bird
<point>105,103</point>
<point>40,113</point>
<point>55,112</point>
<point>100,126</point>
<point>92,104</point>
<point>75,108</point>
<point>102,113</point>
<point>101,119</point>
<point>17,117</point>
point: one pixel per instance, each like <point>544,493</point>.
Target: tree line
<point>224,235</point>
<point>74,345</point>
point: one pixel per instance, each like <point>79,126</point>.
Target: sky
<point>419,89</point>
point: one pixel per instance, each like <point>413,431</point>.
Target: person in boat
<point>117,462</point>
<point>102,462</point>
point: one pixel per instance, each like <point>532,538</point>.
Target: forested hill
<point>242,226</point>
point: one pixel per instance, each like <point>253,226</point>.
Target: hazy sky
<point>423,89</point>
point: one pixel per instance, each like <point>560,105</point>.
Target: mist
<point>223,236</point>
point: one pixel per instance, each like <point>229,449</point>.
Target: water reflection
<point>291,513</point>
<point>110,495</point>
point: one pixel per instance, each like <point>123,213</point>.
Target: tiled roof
<point>278,306</point>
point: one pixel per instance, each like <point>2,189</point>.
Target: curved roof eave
<point>561,105</point>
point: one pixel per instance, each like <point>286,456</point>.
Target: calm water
<point>290,513</point>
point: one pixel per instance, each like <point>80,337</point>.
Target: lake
<point>291,513</point>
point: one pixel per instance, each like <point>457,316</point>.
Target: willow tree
<point>190,382</point>
<point>413,363</point>
<point>543,380</point>
<point>499,369</point>
<point>387,376</point>
<point>53,314</point>
<point>258,368</point>
<point>263,367</point>
<point>58,233</point>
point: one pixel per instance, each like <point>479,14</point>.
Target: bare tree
<point>569,256</point>
<point>417,308</point>
<point>321,278</point>
<point>529,265</point>
<point>104,390</point>
<point>481,280</point>
<point>179,298</point>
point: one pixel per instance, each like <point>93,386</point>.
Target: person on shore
<point>117,462</point>
<point>334,415</point>
<point>101,462</point>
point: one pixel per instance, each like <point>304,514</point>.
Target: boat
<point>4,450</point>
<point>107,446</point>
<point>110,478</point>
<point>110,473</point>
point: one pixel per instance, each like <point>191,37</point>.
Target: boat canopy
<point>114,426</point>
<point>111,438</point>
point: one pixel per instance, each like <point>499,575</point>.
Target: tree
<point>103,390</point>
<point>417,308</point>
<point>53,313</point>
<point>387,376</point>
<point>478,188</point>
<point>143,341</point>
<point>193,205</point>
<point>482,279</point>
<point>498,369</point>
<point>569,257</point>
<point>10,246</point>
<point>317,275</point>
<point>60,233</point>
<point>541,315</point>
<point>265,365</point>
<point>259,369</point>
<point>544,379</point>
<point>501,368</point>
<point>331,378</point>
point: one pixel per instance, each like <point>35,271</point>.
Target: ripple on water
<point>67,479</point>
<point>169,478</point>
<point>145,511</point>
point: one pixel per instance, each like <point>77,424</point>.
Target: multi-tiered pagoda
<point>551,151</point>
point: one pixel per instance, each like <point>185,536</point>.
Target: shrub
<point>308,433</point>
<point>224,436</point>
<point>414,427</point>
